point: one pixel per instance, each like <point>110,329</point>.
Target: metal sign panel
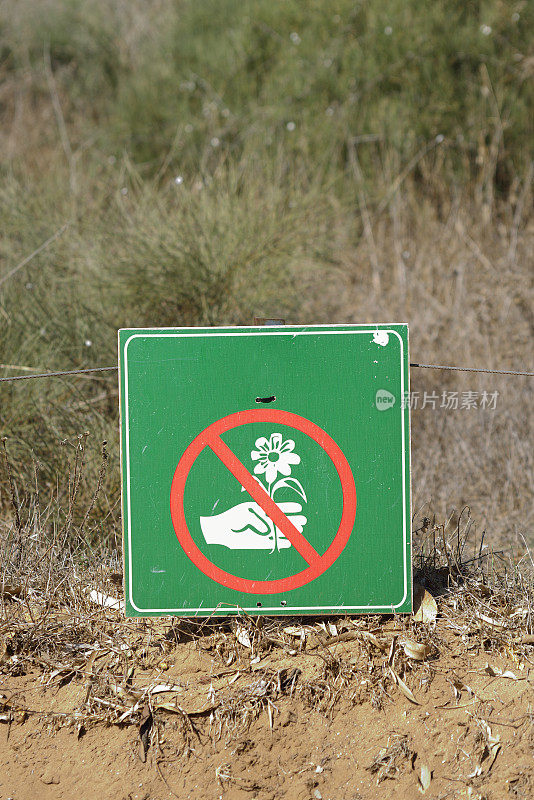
<point>265,469</point>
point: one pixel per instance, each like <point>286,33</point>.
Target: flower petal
<point>256,454</point>
<point>290,458</point>
<point>276,441</point>
<point>287,446</point>
<point>260,468</point>
<point>271,472</point>
<point>262,443</point>
<point>283,467</point>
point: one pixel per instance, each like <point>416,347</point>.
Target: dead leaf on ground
<point>476,772</point>
<point>416,651</point>
<point>165,687</point>
<point>459,686</point>
<point>495,672</point>
<point>105,600</point>
<point>391,653</point>
<point>370,637</point>
<point>11,590</point>
<point>294,630</point>
<point>492,621</point>
<point>145,725</point>
<point>243,637</point>
<point>493,742</point>
<point>332,628</point>
<point>407,692</point>
<point>424,778</point>
<point>116,578</point>
<point>174,708</point>
<point>425,608</point>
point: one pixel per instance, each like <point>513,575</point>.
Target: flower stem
<point>269,491</point>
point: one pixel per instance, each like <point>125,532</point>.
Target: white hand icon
<point>247,527</point>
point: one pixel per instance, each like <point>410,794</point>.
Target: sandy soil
<point>319,722</point>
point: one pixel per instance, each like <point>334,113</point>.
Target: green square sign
<point>265,469</point>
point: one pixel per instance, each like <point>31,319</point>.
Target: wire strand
<point>57,374</point>
<point>114,369</point>
<point>474,369</point>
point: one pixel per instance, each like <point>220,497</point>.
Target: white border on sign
<point>306,332</point>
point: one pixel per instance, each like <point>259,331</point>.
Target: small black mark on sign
<point>270,399</point>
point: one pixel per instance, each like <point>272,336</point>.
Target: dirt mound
<point>438,703</point>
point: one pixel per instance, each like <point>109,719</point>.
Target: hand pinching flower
<point>276,456</point>
<point>246,526</point>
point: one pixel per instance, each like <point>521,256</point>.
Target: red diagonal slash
<point>299,542</point>
<point>209,437</point>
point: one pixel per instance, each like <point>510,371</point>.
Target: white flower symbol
<point>274,456</point>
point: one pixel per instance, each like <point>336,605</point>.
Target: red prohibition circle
<point>211,434</point>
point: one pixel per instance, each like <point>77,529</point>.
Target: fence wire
<point>61,373</point>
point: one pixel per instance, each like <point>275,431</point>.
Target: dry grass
<point>146,180</point>
<point>467,292</point>
<point>70,660</point>
<point>388,761</point>
<point>406,198</point>
<point>402,194</point>
<point>464,287</point>
<point>61,617</point>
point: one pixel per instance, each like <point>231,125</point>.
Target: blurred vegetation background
<point>199,163</point>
